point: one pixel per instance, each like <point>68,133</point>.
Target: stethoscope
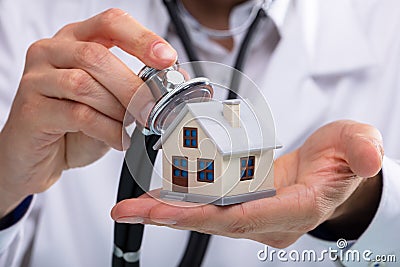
<point>128,237</point>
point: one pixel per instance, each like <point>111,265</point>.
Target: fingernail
<point>164,52</point>
<point>164,221</point>
<point>131,220</point>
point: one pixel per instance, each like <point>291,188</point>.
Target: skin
<point>68,112</point>
<point>71,101</point>
<point>216,17</point>
<point>315,183</point>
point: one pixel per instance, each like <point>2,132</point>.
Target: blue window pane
<point>187,132</point>
<point>194,143</point>
<point>184,162</point>
<point>210,166</point>
<point>210,176</point>
<point>176,162</point>
<point>184,174</point>
<point>243,163</point>
<point>201,165</point>
<point>194,133</point>
<point>251,162</point>
<point>250,173</point>
<point>177,173</point>
<point>201,175</point>
<point>187,142</point>
<point>242,174</point>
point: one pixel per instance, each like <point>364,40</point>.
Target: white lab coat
<point>337,59</point>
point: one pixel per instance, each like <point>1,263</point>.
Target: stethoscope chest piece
<point>171,89</point>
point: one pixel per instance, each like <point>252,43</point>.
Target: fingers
<point>84,45</point>
<point>106,70</point>
<point>363,149</point>
<point>292,209</point>
<point>99,62</point>
<point>116,27</point>
<point>90,75</point>
<point>359,145</point>
<point>79,86</point>
<point>61,116</point>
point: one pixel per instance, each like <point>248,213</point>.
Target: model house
<point>218,153</point>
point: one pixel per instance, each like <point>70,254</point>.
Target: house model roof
<point>253,134</point>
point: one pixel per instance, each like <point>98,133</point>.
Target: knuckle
<point>27,79</point>
<point>66,29</point>
<point>36,49</point>
<point>83,114</point>
<point>78,82</point>
<point>91,55</point>
<point>108,17</point>
<point>29,84</point>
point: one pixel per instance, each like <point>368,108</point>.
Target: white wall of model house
<point>227,170</point>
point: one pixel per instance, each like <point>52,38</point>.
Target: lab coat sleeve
<point>381,240</point>
<point>15,240</point>
<point>382,237</point>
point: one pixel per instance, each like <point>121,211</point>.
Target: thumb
<point>363,148</point>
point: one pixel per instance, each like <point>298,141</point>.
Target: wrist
<point>9,201</point>
<point>9,197</point>
<point>16,214</point>
<point>353,217</point>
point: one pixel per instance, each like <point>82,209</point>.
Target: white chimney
<point>231,112</point>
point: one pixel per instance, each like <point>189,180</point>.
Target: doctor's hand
<point>331,179</point>
<point>71,101</point>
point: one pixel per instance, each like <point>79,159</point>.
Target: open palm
<point>312,182</point>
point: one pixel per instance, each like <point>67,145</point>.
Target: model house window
<point>205,170</point>
<point>247,168</point>
<point>179,167</point>
<point>190,137</point>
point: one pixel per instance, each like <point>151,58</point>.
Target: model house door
<point>180,184</point>
<point>180,174</point>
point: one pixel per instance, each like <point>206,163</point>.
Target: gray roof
<point>253,135</point>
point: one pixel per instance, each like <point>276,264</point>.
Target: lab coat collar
<point>160,25</point>
<point>341,47</point>
<point>278,12</point>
